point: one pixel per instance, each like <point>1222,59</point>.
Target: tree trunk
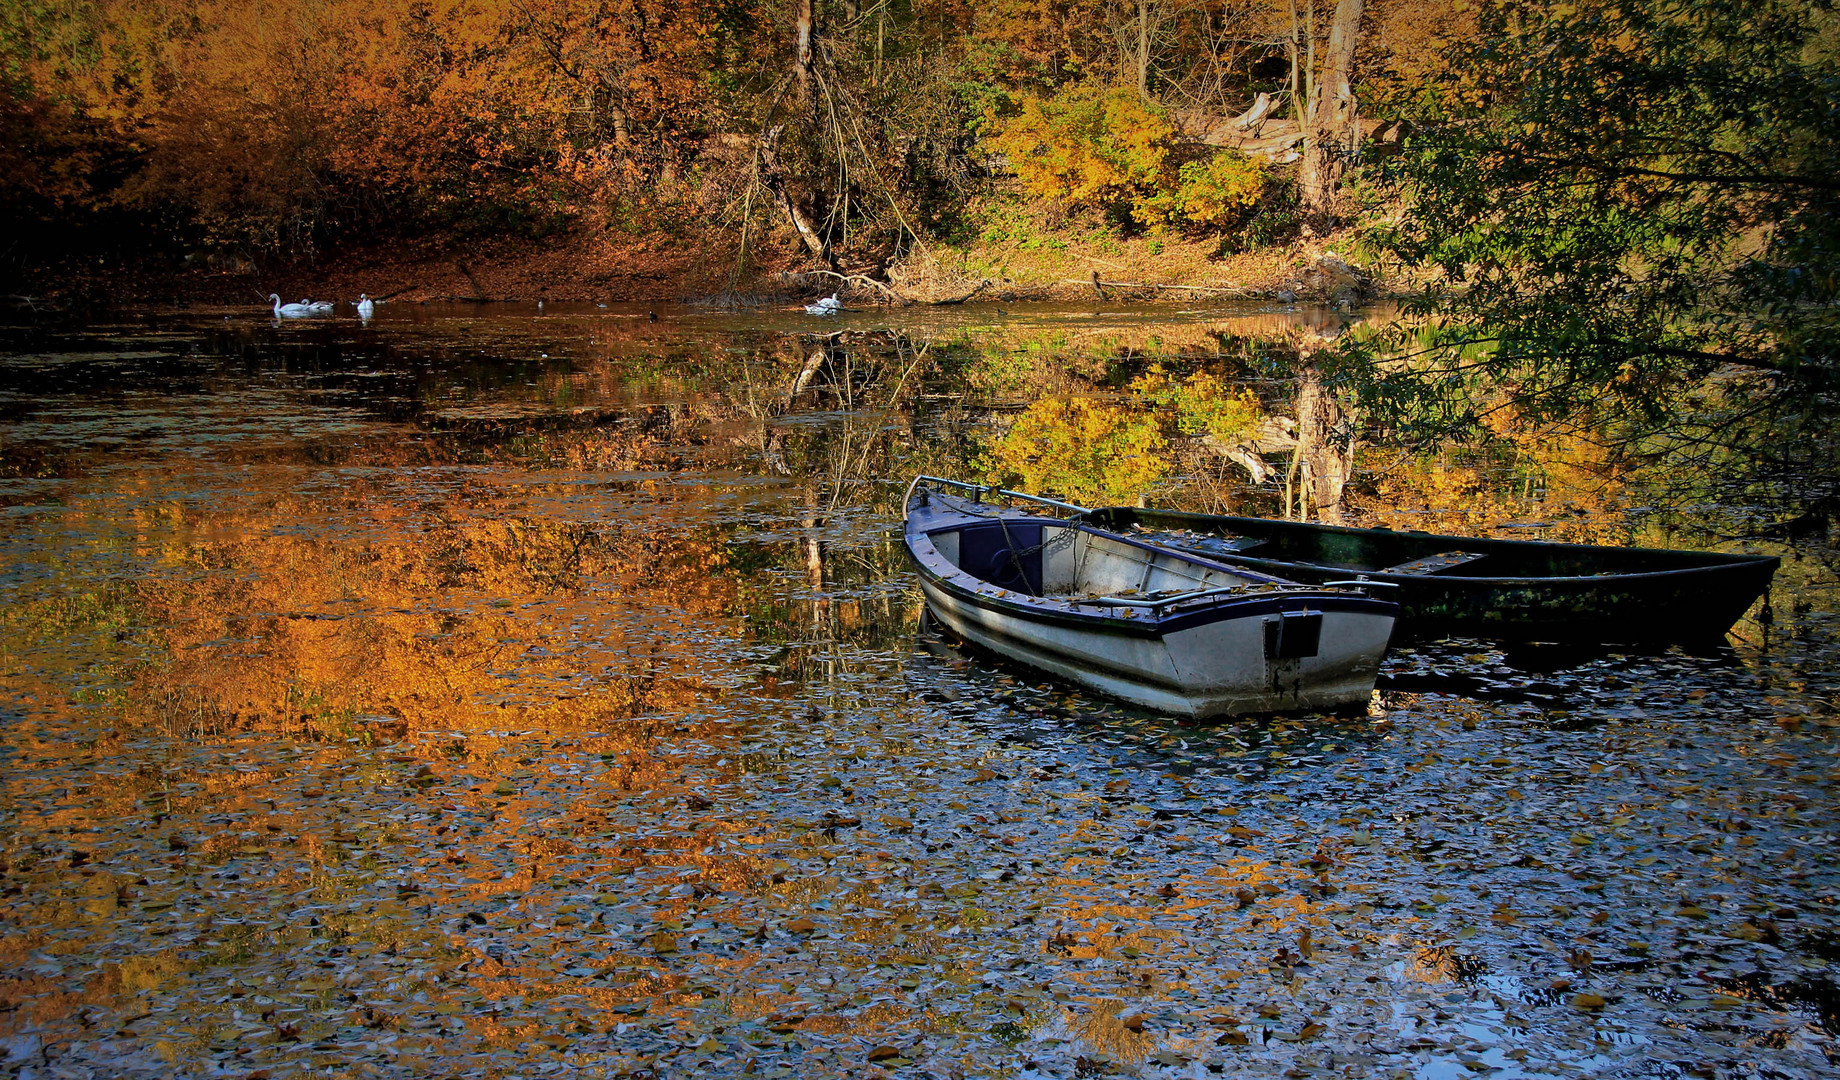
<point>805,42</point>
<point>775,180</point>
<point>616,115</point>
<point>1331,116</point>
<point>1325,450</point>
<point>1290,47</point>
<point>1143,49</point>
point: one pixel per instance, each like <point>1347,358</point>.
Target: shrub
<point>1082,448</point>
<point>1221,192</point>
<point>1092,146</point>
<point>1110,150</point>
<point>1202,404</point>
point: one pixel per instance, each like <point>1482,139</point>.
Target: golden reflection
<point>1575,483</point>
<point>313,631</point>
<point>1441,964</point>
<point>1109,1029</point>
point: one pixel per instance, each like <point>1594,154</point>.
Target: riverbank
<point>1016,262</point>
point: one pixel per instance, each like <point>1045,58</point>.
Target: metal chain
<point>1059,541</point>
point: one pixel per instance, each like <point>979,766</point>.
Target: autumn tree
<point>1632,214</point>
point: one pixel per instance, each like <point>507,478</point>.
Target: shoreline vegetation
<point>1610,219</point>
<point>586,264</point>
<point>633,151</point>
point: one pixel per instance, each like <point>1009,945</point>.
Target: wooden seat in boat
<point>1434,564</point>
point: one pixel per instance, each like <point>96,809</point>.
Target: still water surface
<point>493,692</point>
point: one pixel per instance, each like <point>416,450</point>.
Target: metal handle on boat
<point>983,489</point>
<point>1363,583</point>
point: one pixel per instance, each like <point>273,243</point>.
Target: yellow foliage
<point>1220,192</point>
<point>1081,448</point>
<point>1202,403</point>
<point>1110,149</point>
<point>1090,146</point>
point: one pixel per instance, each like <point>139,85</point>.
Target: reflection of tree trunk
<point>1324,460</point>
<point>806,374</point>
<point>1330,117</point>
<point>813,550</point>
<point>814,560</point>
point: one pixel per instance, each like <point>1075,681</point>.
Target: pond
<point>503,692</point>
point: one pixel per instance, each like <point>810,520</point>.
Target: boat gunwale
<point>1183,615</point>
<point>1717,560</point>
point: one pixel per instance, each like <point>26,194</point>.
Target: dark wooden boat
<point>1459,586</point>
<point>1153,626</point>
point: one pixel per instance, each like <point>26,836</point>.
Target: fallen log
<point>860,281</point>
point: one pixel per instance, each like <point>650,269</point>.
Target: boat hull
<point>1511,590</point>
<point>1219,669</point>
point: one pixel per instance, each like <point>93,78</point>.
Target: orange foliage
<point>267,118</point>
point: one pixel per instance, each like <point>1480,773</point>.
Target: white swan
<point>366,307</point>
<point>289,311</point>
<point>317,307</point>
<point>830,305</point>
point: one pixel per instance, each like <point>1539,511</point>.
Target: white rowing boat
<point>1150,625</point>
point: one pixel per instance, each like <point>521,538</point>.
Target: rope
<point>1060,540</point>
<point>1015,557</point>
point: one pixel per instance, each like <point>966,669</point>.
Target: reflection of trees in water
<point>449,614</point>
<point>1266,353</point>
<point>1443,964</point>
<point>1315,457</point>
<point>479,606</point>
